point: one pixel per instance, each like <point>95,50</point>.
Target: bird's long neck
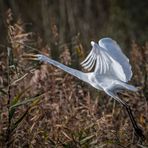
<point>81,75</point>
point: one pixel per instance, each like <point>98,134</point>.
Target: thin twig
<point>28,46</point>
<point>16,81</point>
<point>9,98</point>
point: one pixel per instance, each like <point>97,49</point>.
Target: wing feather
<point>104,63</point>
<point>92,64</point>
<point>87,58</point>
<point>96,58</point>
<point>114,50</point>
<point>89,63</point>
<point>108,58</point>
<point>101,65</point>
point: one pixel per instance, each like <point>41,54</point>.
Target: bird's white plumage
<point>116,53</point>
<point>96,58</point>
<point>108,58</point>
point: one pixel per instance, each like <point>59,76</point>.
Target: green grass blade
<point>15,125</point>
<point>15,101</point>
<point>22,103</point>
<point>34,102</point>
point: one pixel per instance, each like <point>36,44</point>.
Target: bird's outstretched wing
<point>108,59</point>
<point>90,60</point>
<point>114,50</point>
<point>98,58</point>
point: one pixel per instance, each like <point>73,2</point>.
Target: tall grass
<point>41,106</point>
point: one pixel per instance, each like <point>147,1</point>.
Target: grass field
<point>42,106</point>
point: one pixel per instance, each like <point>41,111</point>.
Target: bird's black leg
<point>137,129</point>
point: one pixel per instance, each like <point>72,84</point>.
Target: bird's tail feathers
<point>128,87</point>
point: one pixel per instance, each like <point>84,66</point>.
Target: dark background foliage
<point>122,20</point>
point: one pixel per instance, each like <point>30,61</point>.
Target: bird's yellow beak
<point>30,57</point>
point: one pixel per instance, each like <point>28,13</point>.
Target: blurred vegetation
<point>42,106</point>
<point>61,21</point>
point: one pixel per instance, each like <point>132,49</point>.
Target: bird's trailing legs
<point>138,131</point>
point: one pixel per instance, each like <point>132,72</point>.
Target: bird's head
<point>36,57</point>
<point>33,56</point>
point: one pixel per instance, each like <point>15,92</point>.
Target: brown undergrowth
<point>42,106</point>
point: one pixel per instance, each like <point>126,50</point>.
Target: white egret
<point>111,72</point>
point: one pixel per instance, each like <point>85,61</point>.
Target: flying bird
<point>109,71</point>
